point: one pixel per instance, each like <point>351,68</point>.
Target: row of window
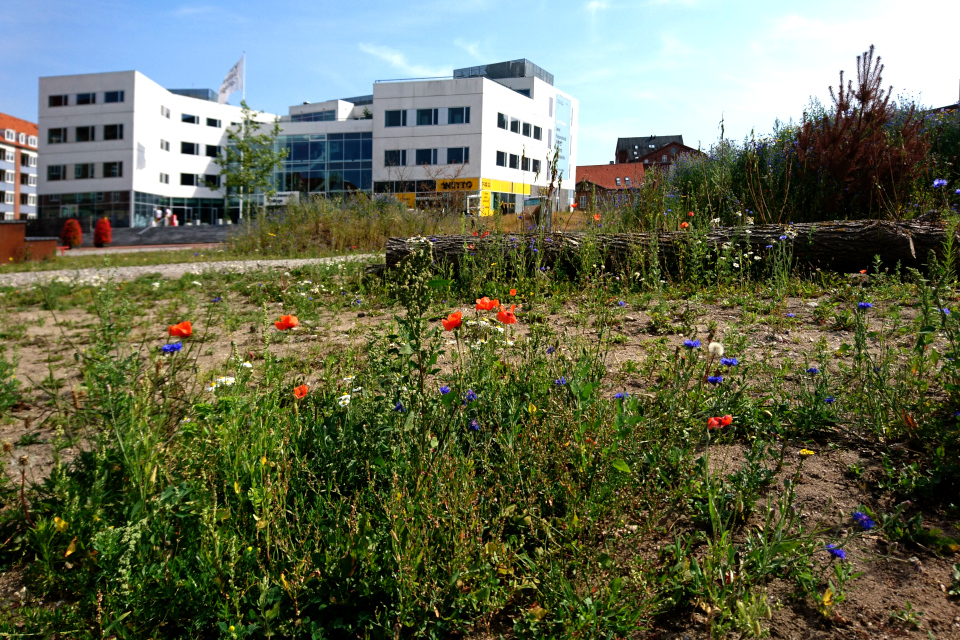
<point>193,148</point>
<point>516,126</point>
<point>189,118</point>
<point>398,157</point>
<point>28,179</point>
<point>210,180</point>
<point>427,117</point>
<point>12,136</point>
<point>84,171</point>
<point>63,100</point>
<point>514,161</point>
<point>26,160</point>
<point>84,134</point>
<point>26,199</point>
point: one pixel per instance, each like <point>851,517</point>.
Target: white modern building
<point>18,168</point>
<point>118,144</point>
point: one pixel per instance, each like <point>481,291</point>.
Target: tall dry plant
<point>854,158</point>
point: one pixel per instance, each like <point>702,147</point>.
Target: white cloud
<point>399,61</point>
<point>189,10</point>
<point>473,48</point>
<point>596,5</point>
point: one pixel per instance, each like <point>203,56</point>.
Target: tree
<point>71,236</point>
<point>248,161</point>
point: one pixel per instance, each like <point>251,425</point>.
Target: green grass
<point>435,484</point>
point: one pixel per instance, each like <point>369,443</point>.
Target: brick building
<point>651,151</point>
<point>601,184</point>
<point>18,168</point>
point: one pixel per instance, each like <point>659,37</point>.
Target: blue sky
<point>638,68</point>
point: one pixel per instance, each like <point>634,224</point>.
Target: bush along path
<point>313,453</point>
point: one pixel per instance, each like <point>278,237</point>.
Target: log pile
<point>838,246</point>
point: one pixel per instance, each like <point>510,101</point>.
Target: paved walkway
<point>95,275</point>
<point>92,251</point>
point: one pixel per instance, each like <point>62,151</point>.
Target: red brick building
<point>18,168</point>
<point>603,183</point>
<point>651,151</point>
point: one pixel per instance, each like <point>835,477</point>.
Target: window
<point>514,125</point>
<point>24,199</point>
<point>673,151</point>
<point>583,202</point>
<point>458,115</point>
<point>190,148</point>
<point>395,158</point>
<point>113,96</point>
<point>56,172</point>
<point>22,138</point>
<point>664,159</point>
<point>646,161</point>
<point>501,121</point>
<point>164,145</point>
<point>188,179</point>
<point>537,133</point>
<point>31,200</point>
<point>24,178</point>
<point>536,166</point>
<point>501,159</point>
<point>56,136</point>
<point>58,101</point>
<point>112,169</point>
<point>525,163</point>
<point>83,171</point>
<point>164,178</point>
<point>8,176</point>
<point>211,181</point>
<point>213,122</point>
<point>618,181</point>
<point>10,135</point>
<point>458,155</point>
<point>164,112</point>
<point>189,119</point>
<point>396,118</point>
<point>113,132</point>
<point>33,161</point>
<point>8,197</point>
<point>32,141</point>
<point>86,98</point>
<point>10,156</point>
<point>213,151</point>
<point>427,116</point>
<point>527,129</point>
<point>85,134</point>
<point>627,181</point>
<point>514,161</point>
<point>426,156</point>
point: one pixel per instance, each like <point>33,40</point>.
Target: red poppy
<point>713,423</point>
<point>475,233</point>
<point>452,321</point>
<point>484,234</point>
<point>486,304</point>
<point>286,322</point>
<point>301,391</point>
<point>596,217</point>
<point>690,214</point>
<point>573,206</point>
<point>726,420</point>
<point>513,292</point>
<point>863,270</point>
<point>181,330</point>
<point>684,225</point>
<point>507,317</point>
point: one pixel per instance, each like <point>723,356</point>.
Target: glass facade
<point>333,163</point>
<point>187,210</point>
<point>114,205</point>
<point>316,116</point>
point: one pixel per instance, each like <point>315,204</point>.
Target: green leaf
<point>438,284</point>
<point>620,465</point>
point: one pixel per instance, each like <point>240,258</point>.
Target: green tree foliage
<point>248,161</point>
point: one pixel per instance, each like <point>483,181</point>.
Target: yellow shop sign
<point>458,184</point>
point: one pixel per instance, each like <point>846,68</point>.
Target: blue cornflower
<point>939,182</point>
<point>621,304</point>
<point>783,237</point>
<point>357,302</point>
<point>729,362</point>
<point>715,379</point>
<point>829,399</point>
<point>562,380</point>
<point>217,299</point>
<point>550,351</point>
<point>399,407</point>
<point>769,246</point>
<point>791,315</point>
<point>945,311</point>
<point>957,192</point>
<point>621,396</point>
<point>471,395</point>
<point>474,425</point>
<point>691,344</point>
<point>836,552</point>
<point>863,520</point>
<point>172,348</point>
<point>813,371</point>
<point>864,305</point>
<point>444,390</point>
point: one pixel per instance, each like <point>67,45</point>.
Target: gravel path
<point>81,276</point>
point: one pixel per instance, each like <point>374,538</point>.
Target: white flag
<point>233,82</point>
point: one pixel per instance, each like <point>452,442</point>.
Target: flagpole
<point>243,87</point>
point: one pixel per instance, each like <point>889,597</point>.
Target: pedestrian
<point>157,216</point>
<point>167,218</point>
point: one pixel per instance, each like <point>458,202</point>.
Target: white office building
<point>118,144</point>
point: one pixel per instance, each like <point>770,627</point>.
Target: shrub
<point>102,233</point>
<point>71,236</point>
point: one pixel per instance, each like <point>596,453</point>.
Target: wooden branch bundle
<point>837,246</point>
